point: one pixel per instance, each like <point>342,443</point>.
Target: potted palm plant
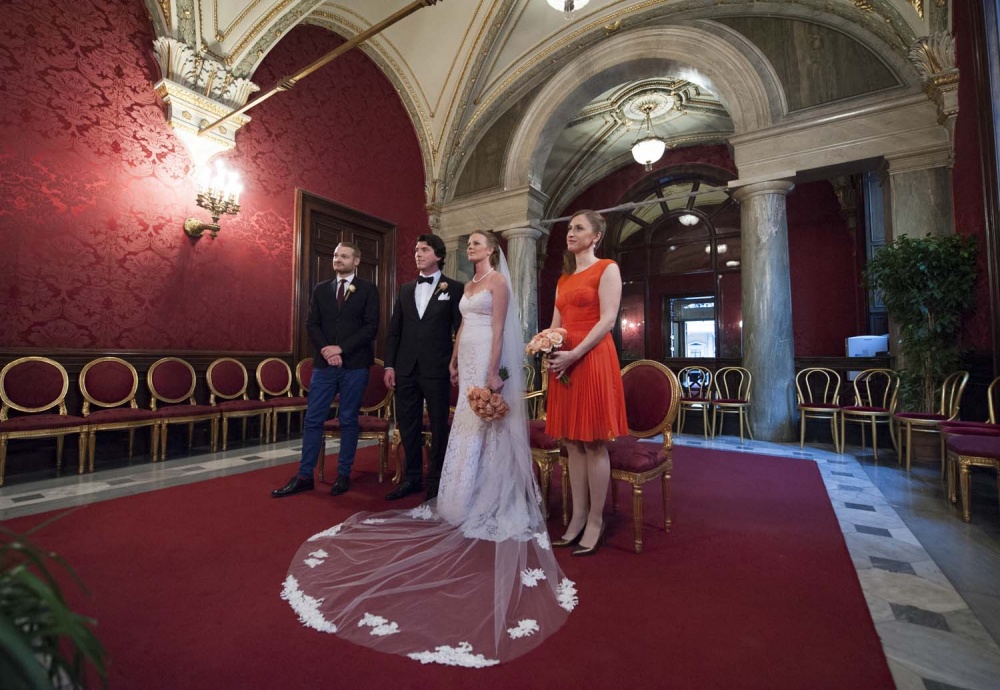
<point>926,284</point>
<point>43,643</point>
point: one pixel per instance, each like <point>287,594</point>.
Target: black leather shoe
<point>404,489</point>
<point>342,484</point>
<point>295,485</point>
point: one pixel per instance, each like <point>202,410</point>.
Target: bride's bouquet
<point>545,343</point>
<point>487,403</point>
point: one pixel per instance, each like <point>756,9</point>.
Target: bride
<point>469,578</point>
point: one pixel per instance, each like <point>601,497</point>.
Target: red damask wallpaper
<point>94,186</point>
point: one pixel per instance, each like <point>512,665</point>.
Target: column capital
<point>530,233</point>
<point>780,187</point>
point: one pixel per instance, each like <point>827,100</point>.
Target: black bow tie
<point>423,279</point>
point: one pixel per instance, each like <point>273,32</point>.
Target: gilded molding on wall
<point>934,59</point>
<point>180,63</point>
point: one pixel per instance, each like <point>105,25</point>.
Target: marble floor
<point>931,581</point>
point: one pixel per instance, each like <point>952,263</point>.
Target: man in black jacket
<point>342,324</point>
<point>418,351</point>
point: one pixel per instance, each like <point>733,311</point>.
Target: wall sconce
<point>219,194</point>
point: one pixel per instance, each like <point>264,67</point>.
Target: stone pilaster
<point>917,195</point>
<point>521,257</point>
<point>768,345</point>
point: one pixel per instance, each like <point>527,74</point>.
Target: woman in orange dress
<point>590,409</point>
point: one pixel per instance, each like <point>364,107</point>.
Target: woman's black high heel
<point>597,544</point>
<point>560,543</point>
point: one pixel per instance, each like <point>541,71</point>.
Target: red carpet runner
<point>753,588</point>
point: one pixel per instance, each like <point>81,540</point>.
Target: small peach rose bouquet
<point>545,343</point>
<point>487,403</point>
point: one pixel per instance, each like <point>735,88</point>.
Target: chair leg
<point>941,438</point>
<point>680,419</point>
<point>243,430</point>
<point>3,457</point>
<point>637,515</point>
<point>60,442</point>
<point>704,422</point>
<point>909,445</point>
<point>321,461</point>
<point>875,439</point>
<point>749,428</point>
<point>131,442</point>
<point>666,502</point>
<point>91,444</point>
<point>154,440</point>
<point>716,430</point>
<point>215,433</point>
<point>802,430</point>
<point>163,441</point>
<point>966,485</point>
<point>82,444</point>
<point>843,431</point>
<point>225,433</point>
<point>952,489</point>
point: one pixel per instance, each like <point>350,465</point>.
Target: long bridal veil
<point>472,593</point>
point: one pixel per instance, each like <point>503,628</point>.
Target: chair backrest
<point>33,384</point>
<point>652,396</point>
<point>951,394</point>
<point>991,399</point>
<point>377,395</point>
<point>817,385</point>
<point>227,379</point>
<point>733,383</point>
<point>108,382</point>
<point>171,380</point>
<point>274,378</point>
<point>304,374</point>
<point>529,377</point>
<point>876,388</point>
<point>695,382</point>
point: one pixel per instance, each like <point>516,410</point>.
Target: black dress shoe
<point>342,484</point>
<point>295,485</point>
<point>404,489</point>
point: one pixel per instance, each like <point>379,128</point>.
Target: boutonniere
<point>442,286</point>
<point>350,291</point>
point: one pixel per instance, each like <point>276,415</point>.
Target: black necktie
<point>341,293</point>
<point>423,279</point>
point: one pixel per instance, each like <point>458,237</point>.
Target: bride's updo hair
<point>493,243</point>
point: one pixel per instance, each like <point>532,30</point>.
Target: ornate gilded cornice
<point>934,59</point>
<point>180,63</point>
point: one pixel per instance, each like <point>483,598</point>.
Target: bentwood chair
<point>274,379</point>
<point>949,406</point>
<point>732,396</point>
<point>171,383</point>
<point>547,452</point>
<point>988,428</point>
<point>696,396</point>
<point>652,396</point>
<point>110,383</point>
<point>33,385</point>
<point>875,397</point>
<point>373,420</point>
<point>817,390</point>
<point>227,382</point>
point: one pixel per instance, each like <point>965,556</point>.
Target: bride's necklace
<point>475,280</point>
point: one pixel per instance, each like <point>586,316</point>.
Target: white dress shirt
<point>422,295</point>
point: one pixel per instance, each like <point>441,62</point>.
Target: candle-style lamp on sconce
<point>219,194</point>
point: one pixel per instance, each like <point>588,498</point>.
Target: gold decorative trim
<point>91,400</point>
<point>188,397</point>
<point>59,400</point>
<point>241,394</point>
<point>223,34</point>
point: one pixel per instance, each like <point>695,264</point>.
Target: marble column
<point>768,345</point>
<point>456,263</point>
<point>521,257</point>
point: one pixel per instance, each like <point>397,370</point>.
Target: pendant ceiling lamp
<point>648,149</point>
<point>567,6</point>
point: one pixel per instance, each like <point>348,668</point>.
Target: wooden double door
<point>323,224</point>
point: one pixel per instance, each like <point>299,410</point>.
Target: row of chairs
<point>725,391</point>
<point>33,386</point>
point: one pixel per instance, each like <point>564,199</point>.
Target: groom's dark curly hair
<point>437,244</point>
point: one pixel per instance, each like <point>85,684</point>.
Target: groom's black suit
<point>419,350</point>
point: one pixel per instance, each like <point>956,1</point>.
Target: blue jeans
<point>326,383</point>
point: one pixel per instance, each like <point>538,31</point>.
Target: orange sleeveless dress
<point>592,406</point>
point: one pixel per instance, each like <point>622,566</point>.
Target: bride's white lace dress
<point>468,579</point>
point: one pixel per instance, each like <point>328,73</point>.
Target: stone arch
<point>702,52</point>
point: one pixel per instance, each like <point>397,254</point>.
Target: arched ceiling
<point>459,64</point>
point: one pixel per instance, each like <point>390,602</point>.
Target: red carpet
<point>752,588</point>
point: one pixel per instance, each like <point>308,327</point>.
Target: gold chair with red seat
<point>696,396</point>
<point>652,396</point>
<point>949,407</point>
<point>110,383</point>
<point>172,381</point>
<point>817,391</point>
<point>274,378</point>
<point>32,385</point>
<point>547,452</point>
<point>732,396</point>
<point>965,452</point>
<point>227,382</point>
<point>425,431</point>
<point>373,420</point>
<point>875,393</point>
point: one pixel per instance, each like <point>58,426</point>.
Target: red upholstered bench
<point>965,451</point>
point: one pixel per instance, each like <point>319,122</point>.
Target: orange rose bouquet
<point>487,403</point>
<point>545,343</point>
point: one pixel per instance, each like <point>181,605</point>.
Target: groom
<point>418,350</point>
